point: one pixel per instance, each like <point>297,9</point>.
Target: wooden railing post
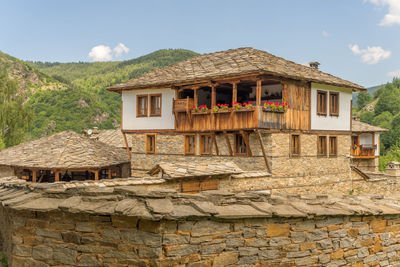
<point>258,93</point>
<point>213,95</point>
<point>234,92</point>
<point>195,97</point>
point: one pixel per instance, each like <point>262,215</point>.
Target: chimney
<point>314,65</point>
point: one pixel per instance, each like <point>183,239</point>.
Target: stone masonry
<point>50,225</point>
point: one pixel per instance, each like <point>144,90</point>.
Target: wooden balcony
<point>363,151</point>
<point>238,120</point>
<point>183,105</point>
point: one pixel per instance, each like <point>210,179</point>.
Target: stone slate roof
<point>111,137</point>
<point>176,170</point>
<point>65,150</point>
<point>358,126</point>
<point>231,62</point>
<point>134,201</point>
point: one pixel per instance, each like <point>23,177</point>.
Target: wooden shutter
<point>333,104</point>
<point>321,103</point>
<point>141,105</point>
<point>321,145</point>
<point>332,146</point>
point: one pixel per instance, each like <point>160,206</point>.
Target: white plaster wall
<point>378,149</point>
<point>131,122</point>
<point>338,123</point>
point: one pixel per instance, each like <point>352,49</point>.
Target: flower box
<point>222,111</point>
<point>275,111</point>
<point>244,110</point>
<point>199,112</point>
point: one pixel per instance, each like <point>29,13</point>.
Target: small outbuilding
<point>64,156</point>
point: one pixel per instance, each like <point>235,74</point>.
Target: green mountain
<point>371,91</point>
<point>85,103</point>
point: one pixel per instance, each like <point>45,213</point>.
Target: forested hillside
<point>62,96</point>
<point>383,109</point>
<point>86,103</point>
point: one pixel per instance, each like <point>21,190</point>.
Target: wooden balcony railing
<point>363,151</point>
<point>183,105</point>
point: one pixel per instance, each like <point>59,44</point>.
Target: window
<point>295,145</point>
<point>155,105</point>
<point>206,144</point>
<point>141,104</point>
<point>321,145</point>
<point>321,103</point>
<point>240,145</point>
<point>332,146</point>
<point>150,144</point>
<point>190,144</point>
<point>333,104</point>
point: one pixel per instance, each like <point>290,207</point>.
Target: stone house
<point>256,110</point>
<point>365,145</point>
<point>64,156</point>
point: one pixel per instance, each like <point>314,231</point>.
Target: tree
<point>15,116</point>
<point>363,99</point>
<point>389,99</point>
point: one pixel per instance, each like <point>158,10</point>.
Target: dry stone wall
<point>50,225</point>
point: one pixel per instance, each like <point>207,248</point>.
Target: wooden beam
<point>216,145</point>
<point>109,173</point>
<point>34,174</point>
<point>258,95</point>
<point>96,175</point>
<point>246,140</point>
<point>234,92</point>
<point>263,151</point>
<point>127,147</point>
<point>57,176</point>
<point>213,95</point>
<point>122,114</point>
<point>228,143</point>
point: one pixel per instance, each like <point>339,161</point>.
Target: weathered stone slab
<point>239,211</point>
<point>162,205</point>
<point>40,204</point>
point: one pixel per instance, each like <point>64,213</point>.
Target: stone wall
<point>370,165</point>
<point>47,236</point>
<point>307,172</point>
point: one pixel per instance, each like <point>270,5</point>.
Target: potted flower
<point>237,106</point>
<point>200,109</point>
<point>219,108</point>
<point>275,106</point>
<point>248,105</point>
<point>355,146</point>
<point>215,108</point>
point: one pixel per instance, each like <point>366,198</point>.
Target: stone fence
<point>50,225</point>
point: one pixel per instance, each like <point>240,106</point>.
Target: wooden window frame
<point>325,154</point>
<point>292,154</point>
<point>324,105</point>
<point>187,136</point>
<point>331,107</point>
<point>193,187</point>
<point>236,145</point>
<point>202,138</point>
<point>330,151</point>
<point>151,105</point>
<point>138,106</point>
<point>154,145</point>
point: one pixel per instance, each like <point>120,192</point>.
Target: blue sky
<point>337,33</point>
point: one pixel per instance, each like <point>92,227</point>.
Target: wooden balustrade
<point>363,151</point>
<point>183,105</point>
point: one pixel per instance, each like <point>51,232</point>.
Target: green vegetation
<point>385,114</point>
<point>60,96</point>
<point>86,102</point>
<point>15,116</point>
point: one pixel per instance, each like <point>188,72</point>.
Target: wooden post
<point>195,97</point>
<point>234,92</point>
<point>109,173</point>
<point>57,176</point>
<point>228,144</point>
<point>215,143</point>
<point>263,151</point>
<point>258,95</point>
<point>96,175</point>
<point>34,173</point>
<point>127,147</point>
<point>213,95</point>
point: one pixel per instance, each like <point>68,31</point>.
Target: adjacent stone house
<point>259,111</point>
<point>64,156</point>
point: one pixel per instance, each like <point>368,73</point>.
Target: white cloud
<point>120,49</point>
<point>370,55</point>
<point>395,73</point>
<point>325,34</point>
<point>393,15</point>
<point>100,53</point>
<point>104,52</point>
